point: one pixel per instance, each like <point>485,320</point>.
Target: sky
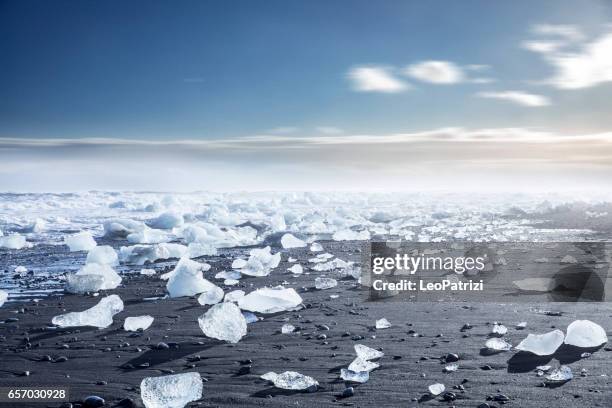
<point>239,95</point>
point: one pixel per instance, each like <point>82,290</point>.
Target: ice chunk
<point>316,247</point>
<point>496,344</point>
<point>36,227</point>
<point>352,376</point>
<point>325,283</point>
<point>560,375</point>
<point>148,236</point>
<point>542,344</point>
<point>148,272</point>
<point>277,223</point>
<point>224,321</point>
<point>367,353</point>
<point>167,220</point>
<point>451,368</point>
<point>171,391</point>
<point>234,295</point>
<point>261,262</point>
<point>211,296</point>
<point>296,269</point>
<point>135,323</point>
<point>270,300</point>
<point>186,279</point>
<point>520,325</point>
<point>121,228</point>
<point>250,317</point>
<point>291,380</point>
<point>3,297</point>
<point>228,275</point>
<point>287,329</point>
<point>140,254</point>
<point>499,330</point>
<point>110,278</point>
<point>359,365</point>
<point>436,389</point>
<point>14,241</point>
<point>269,376</point>
<point>101,315</point>
<point>84,283</point>
<point>290,241</point>
<point>238,263</point>
<point>82,241</point>
<point>231,282</point>
<point>382,324</point>
<point>568,259</point>
<point>350,235</point>
<point>196,250</point>
<point>103,255</point>
<point>585,333</point>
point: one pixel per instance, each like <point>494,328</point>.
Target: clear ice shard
<point>542,344</point>
<point>211,296</point>
<point>270,300</point>
<point>82,241</point>
<point>352,376</point>
<point>359,365</point>
<point>3,297</point>
<point>135,323</point>
<point>436,389</point>
<point>171,391</point>
<point>103,255</point>
<point>101,315</point>
<point>367,353</point>
<point>186,279</point>
<point>560,375</point>
<point>325,283</point>
<point>585,333</point>
<point>497,345</point>
<point>224,321</point>
<point>290,241</point>
<point>291,380</point>
<point>382,324</point>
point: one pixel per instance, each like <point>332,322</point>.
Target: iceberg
<point>287,329</point>
<point>171,391</point>
<point>14,241</point>
<point>3,297</point>
<point>148,236</point>
<point>269,376</point>
<point>101,315</point>
<point>186,279</point>
<point>352,376</point>
<point>36,227</point>
<point>499,330</point>
<point>291,380</point>
<point>141,254</point>
<point>586,334</point>
<point>239,263</point>
<point>290,241</point>
<point>270,300</point>
<point>167,220</point>
<point>82,241</point>
<point>135,323</point>
<point>103,255</point>
<point>542,344</point>
<point>224,321</point>
<point>325,283</point>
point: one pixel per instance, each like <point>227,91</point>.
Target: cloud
<point>577,64</point>
<point>435,72</point>
<point>329,130</point>
<point>375,79</point>
<point>281,130</point>
<point>517,97</point>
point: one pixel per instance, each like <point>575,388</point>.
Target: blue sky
<point>225,70</point>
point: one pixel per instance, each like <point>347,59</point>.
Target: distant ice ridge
<point>171,391</point>
<point>100,315</point>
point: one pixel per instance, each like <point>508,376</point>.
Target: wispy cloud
<point>517,97</point>
<point>281,130</point>
<point>376,79</point>
<point>436,72</point>
<point>329,130</point>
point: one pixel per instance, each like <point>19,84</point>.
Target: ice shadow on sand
<point>156,357</point>
<point>523,362</point>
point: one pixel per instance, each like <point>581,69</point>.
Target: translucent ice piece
<point>436,389</point>
<point>270,300</point>
<point>291,380</point>
<point>82,241</point>
<point>101,315</point>
<point>560,375</point>
<point>497,345</point>
<point>290,241</point>
<point>358,377</point>
<point>224,321</point>
<point>367,353</point>
<point>135,323</point>
<point>103,255</point>
<point>542,344</point>
<point>171,391</point>
<point>585,333</point>
<point>325,283</point>
<point>382,324</point>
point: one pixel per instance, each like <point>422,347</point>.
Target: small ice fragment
<point>542,344</point>
<point>3,297</point>
<point>568,259</point>
<point>585,333</point>
<point>543,368</point>
<point>451,368</point>
<point>82,241</point>
<point>135,323</point>
<point>382,324</point>
<point>228,275</point>
<point>499,330</point>
<point>103,255</point>
<point>100,315</point>
<point>287,329</point>
<point>521,326</point>
<point>211,296</point>
<point>541,260</point>
<point>269,376</point>
<point>296,269</point>
<point>148,272</point>
<point>261,262</point>
<point>270,300</point>
<point>560,375</point>
<point>291,259</point>
<point>497,345</point>
<point>367,353</point>
<point>171,391</point>
<point>234,295</point>
<point>316,247</point>
<point>291,380</point>
<point>231,282</point>
<point>290,241</point>
<point>360,365</point>
<point>436,389</point>
<point>239,263</point>
<point>224,321</point>
<point>14,241</point>
<point>325,283</point>
<point>250,317</point>
<point>21,269</point>
<point>358,377</point>
<point>187,280</point>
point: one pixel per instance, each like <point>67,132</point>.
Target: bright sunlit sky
<point>162,95</point>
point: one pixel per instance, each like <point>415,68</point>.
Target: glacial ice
<point>290,241</point>
<point>352,376</point>
<point>13,241</point>
<point>211,296</point>
<point>350,235</point>
<point>103,255</point>
<point>171,391</point>
<point>436,389</point>
<point>542,344</point>
<point>568,259</point>
<point>148,236</point>
<point>135,323</point>
<point>110,278</point>
<point>82,241</point>
<point>234,296</point>
<point>250,317</point>
<point>167,220</point>
<point>100,315</point>
<point>325,283</point>
<point>224,321</point>
<point>499,330</point>
<point>291,380</point>
<point>148,272</point>
<point>141,254</point>
<point>121,228</point>
<point>296,269</point>
<point>382,323</point>
<point>3,297</point>
<point>287,328</point>
<point>586,334</point>
<point>81,284</point>
<point>496,344</point>
<point>560,375</point>
<point>261,262</point>
<point>186,279</point>
<point>316,247</point>
<point>228,275</point>
<point>269,376</point>
<point>36,227</point>
<point>359,365</point>
<point>270,300</point>
<point>367,353</point>
<point>239,263</point>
